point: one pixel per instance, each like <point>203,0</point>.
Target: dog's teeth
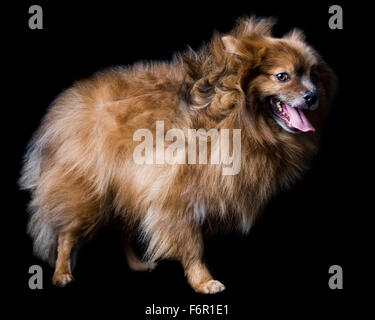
<point>279,106</point>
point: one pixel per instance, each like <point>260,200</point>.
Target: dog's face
<point>287,80</point>
<point>287,85</point>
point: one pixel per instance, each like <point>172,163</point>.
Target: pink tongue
<point>298,119</point>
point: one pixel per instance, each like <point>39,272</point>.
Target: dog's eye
<point>313,77</point>
<point>283,77</point>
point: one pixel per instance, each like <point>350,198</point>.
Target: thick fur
<point>79,166</point>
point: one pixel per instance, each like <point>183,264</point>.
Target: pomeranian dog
<point>83,170</point>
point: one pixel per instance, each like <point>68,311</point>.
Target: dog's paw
<point>210,287</point>
<point>62,279</point>
<point>142,266</point>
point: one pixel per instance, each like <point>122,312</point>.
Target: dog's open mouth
<point>291,118</point>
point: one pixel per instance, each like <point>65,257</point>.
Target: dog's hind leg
<point>63,274</point>
<point>134,262</point>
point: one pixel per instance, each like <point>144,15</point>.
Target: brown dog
<point>81,165</point>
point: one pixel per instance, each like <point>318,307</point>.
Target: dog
<point>274,93</point>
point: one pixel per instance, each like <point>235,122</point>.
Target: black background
<point>281,267</point>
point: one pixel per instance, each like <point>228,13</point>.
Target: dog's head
<point>284,80</point>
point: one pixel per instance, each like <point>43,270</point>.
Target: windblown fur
<point>79,166</point>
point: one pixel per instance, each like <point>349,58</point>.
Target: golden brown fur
<point>80,169</point>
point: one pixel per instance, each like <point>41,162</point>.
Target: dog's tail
<point>43,235</point>
<point>39,228</point>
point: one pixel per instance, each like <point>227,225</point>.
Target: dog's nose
<point>310,98</point>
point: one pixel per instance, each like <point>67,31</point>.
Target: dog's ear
<point>327,79</point>
<point>246,39</point>
<point>233,45</point>
<point>295,35</point>
<point>327,82</point>
<point>250,49</point>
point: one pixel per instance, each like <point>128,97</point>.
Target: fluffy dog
<point>81,171</point>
